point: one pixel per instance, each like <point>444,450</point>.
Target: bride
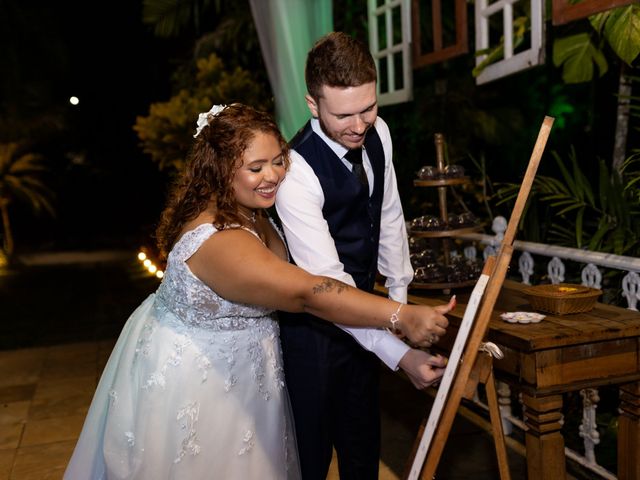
<point>194,388</point>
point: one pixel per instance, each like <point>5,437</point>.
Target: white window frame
<point>393,95</point>
<point>511,63</point>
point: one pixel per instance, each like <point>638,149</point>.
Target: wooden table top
<point>604,322</point>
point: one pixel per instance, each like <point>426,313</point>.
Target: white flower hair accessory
<point>203,118</point>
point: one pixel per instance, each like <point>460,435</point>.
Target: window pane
<point>448,10</point>
<point>383,73</point>
<point>382,32</point>
<point>398,73</point>
<point>396,25</point>
<point>426,27</point>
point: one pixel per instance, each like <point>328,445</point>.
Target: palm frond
<point>571,207</point>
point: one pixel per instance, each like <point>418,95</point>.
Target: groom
<point>342,217</point>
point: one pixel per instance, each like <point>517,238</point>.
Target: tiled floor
<point>45,393</point>
<point>44,396</point>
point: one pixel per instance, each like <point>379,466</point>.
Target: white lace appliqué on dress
<point>194,389</point>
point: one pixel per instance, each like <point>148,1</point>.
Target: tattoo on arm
<point>329,285</point>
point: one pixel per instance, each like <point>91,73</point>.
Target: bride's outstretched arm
<point>237,266</point>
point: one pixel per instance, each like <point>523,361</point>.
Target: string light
<point>149,266</point>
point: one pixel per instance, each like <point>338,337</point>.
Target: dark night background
<point>108,193</point>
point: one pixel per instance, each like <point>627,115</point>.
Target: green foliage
<point>577,55</point>
<point>601,214</point>
<point>621,28</point>
<point>166,133</point>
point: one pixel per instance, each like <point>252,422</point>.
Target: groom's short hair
<point>338,60</point>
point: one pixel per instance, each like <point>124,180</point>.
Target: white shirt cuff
<point>386,346</point>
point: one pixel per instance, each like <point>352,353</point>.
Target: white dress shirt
<point>299,205</point>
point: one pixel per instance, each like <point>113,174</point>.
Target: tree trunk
<point>6,225</point>
<point>622,119</point>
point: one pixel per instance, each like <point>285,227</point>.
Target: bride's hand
<point>424,325</point>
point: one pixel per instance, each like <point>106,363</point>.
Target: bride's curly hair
<point>215,156</point>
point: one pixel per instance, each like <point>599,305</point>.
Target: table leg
<point>629,432</point>
<point>543,438</point>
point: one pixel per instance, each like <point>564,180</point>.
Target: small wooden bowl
<point>563,298</point>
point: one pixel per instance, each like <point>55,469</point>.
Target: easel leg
<point>496,427</point>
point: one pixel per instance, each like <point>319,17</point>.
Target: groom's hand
<point>422,368</point>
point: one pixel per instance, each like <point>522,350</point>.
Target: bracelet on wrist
<point>395,319</point>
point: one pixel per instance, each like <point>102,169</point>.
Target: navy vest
<point>353,217</point>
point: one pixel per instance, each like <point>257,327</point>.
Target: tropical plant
<point>21,181</point>
<point>167,131</point>
<point>601,215</point>
<point>578,53</point>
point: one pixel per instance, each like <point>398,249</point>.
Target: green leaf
<point>550,184</point>
<point>618,237</point>
<point>622,31</point>
<point>599,20</point>
<point>579,220</point>
<point>618,201</point>
<point>583,187</point>
<point>604,186</point>
<point>577,56</point>
<point>561,199</point>
<point>565,174</point>
<point>497,53</point>
<point>571,207</point>
<point>596,239</point>
<point>494,54</point>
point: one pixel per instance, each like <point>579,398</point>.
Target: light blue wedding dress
<point>194,389</point>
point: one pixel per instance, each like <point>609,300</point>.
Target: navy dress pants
<point>333,384</point>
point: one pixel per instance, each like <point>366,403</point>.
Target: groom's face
<point>346,114</point>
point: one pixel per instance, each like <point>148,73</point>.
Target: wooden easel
<point>483,370</point>
<point>466,369</point>
<point>482,373</point>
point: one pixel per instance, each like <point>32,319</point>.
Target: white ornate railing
<point>592,277</point>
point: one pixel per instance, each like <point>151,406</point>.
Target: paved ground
<point>58,325</point>
<point>45,393</point>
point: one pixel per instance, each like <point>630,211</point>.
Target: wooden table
<point>558,355</point>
